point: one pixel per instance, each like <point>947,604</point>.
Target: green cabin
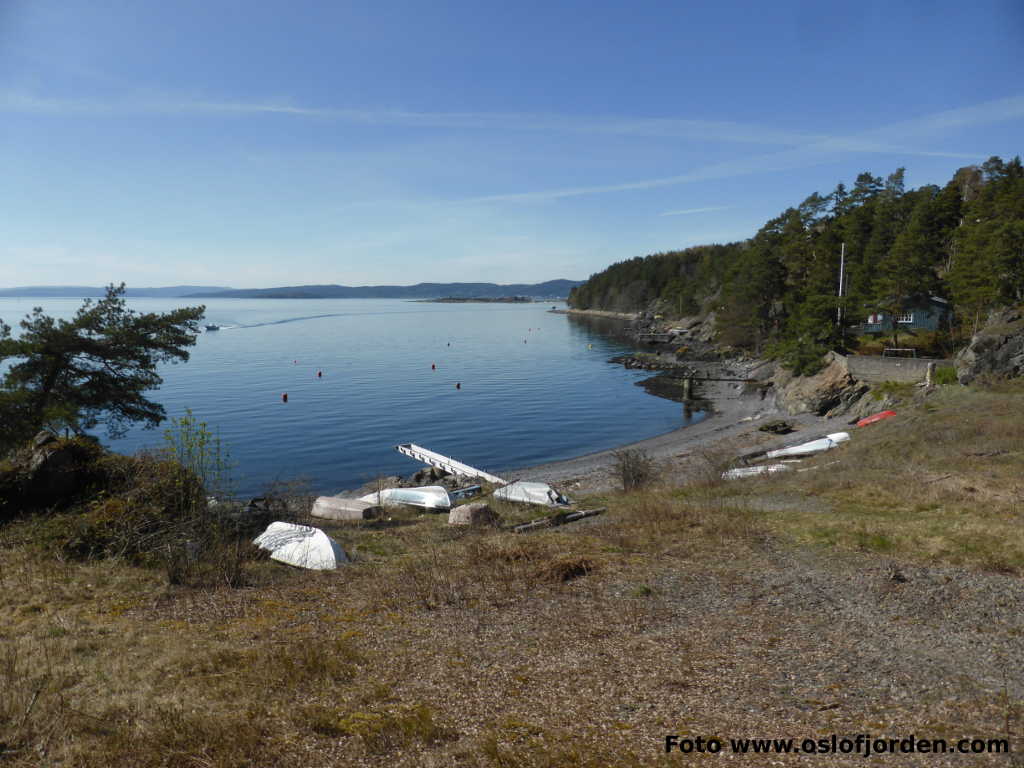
<point>921,313</point>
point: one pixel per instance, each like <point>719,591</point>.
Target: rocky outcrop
<point>996,350</point>
<point>49,472</point>
<point>830,392</point>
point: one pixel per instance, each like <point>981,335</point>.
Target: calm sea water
<point>535,386</point>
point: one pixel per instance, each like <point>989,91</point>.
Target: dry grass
<point>941,483</point>
<point>878,595</point>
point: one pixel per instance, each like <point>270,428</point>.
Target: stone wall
<point>875,370</point>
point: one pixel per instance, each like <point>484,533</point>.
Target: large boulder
<point>476,513</point>
<point>996,350</point>
<point>47,473</point>
<point>830,391</point>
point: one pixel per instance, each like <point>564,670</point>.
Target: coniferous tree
<point>92,369</point>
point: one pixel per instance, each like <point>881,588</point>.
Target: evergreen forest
<point>778,292</point>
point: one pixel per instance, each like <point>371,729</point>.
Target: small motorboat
<point>213,327</point>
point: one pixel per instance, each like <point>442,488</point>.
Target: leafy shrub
<point>191,443</point>
<point>945,376</point>
<point>634,467</point>
<point>146,506</point>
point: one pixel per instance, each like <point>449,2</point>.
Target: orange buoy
<point>284,397</point>
<point>458,385</point>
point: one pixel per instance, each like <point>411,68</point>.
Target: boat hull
<point>425,497</point>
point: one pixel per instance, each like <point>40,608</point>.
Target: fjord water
<point>535,386</point>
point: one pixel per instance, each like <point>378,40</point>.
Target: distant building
<point>921,313</point>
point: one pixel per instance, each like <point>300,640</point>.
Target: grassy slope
<point>881,594</point>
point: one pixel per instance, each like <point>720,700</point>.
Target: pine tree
<point>92,369</point>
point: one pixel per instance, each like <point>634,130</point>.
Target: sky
<point>259,144</point>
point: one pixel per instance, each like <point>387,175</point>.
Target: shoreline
<point>734,414</point>
<point>596,313</point>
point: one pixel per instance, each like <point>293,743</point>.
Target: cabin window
<point>875,319</point>
<point>905,317</point>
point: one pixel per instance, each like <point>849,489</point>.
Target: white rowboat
<point>814,446</point>
<point>427,497</point>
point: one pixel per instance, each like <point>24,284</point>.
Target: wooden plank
<point>552,521</point>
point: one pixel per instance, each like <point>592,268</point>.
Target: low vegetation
<point>878,593</point>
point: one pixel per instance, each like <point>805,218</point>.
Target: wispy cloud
<point>688,211</point>
<point>877,140</point>
<point>798,148</point>
<point>694,129</point>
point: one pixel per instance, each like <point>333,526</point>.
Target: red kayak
<point>876,417</point>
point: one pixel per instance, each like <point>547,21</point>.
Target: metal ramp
<point>446,463</point>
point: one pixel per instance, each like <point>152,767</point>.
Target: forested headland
<point>778,292</point>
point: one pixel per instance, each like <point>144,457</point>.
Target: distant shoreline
<point>485,300</point>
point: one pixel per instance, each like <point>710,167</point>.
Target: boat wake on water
<point>292,320</point>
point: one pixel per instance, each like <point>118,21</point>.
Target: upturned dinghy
<point>875,418</point>
<point>814,446</point>
<point>531,493</point>
<point>762,469</point>
<point>302,546</point>
<point>426,497</point>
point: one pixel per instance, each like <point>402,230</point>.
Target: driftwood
<point>552,521</point>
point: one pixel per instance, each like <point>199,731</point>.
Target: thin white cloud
<point>692,129</point>
<point>814,153</point>
<point>874,141</point>
<point>688,211</point>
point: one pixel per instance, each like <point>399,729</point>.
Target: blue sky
<point>269,143</point>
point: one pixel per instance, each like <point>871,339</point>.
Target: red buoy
<point>458,385</point>
<point>319,374</point>
<point>433,367</point>
<point>284,397</point>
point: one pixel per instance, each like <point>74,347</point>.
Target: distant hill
<point>82,291</point>
<point>547,290</point>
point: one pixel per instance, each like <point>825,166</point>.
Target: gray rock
<point>476,513</point>
<point>996,350</point>
<point>830,391</point>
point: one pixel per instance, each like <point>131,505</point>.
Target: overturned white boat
<point>531,493</point>
<point>302,546</point>
<point>814,446</point>
<point>426,497</point>
<point>762,469</point>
